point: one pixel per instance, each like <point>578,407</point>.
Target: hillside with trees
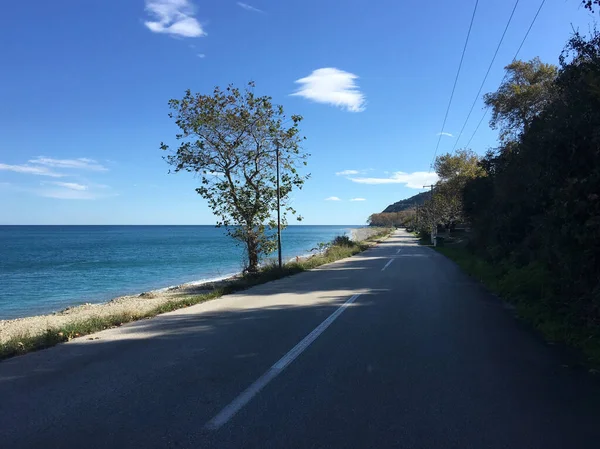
<point>404,218</point>
<point>409,203</point>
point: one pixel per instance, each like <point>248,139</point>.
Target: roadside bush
<point>342,240</point>
<point>537,212</point>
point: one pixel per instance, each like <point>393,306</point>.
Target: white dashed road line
<point>387,264</point>
<point>246,396</point>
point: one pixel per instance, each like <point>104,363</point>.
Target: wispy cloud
<point>248,7</point>
<point>175,17</point>
<point>415,180</point>
<point>64,190</point>
<point>71,186</point>
<point>73,191</point>
<point>332,86</point>
<point>358,199</point>
<point>347,173</point>
<point>81,163</point>
<point>332,198</point>
<point>30,170</point>
<point>445,134</point>
<point>68,194</point>
<point>201,55</point>
<point>67,190</point>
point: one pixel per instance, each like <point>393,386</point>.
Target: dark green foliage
<point>526,287</point>
<point>343,240</point>
<point>538,208</point>
<point>526,90</point>
<point>589,4</point>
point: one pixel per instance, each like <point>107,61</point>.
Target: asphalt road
<point>392,348</point>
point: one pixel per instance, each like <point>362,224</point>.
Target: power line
<point>529,29</point>
<point>455,81</point>
<point>486,74</point>
<point>478,125</point>
<point>513,60</point>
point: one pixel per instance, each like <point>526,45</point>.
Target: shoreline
<point>62,283</point>
<point>138,304</point>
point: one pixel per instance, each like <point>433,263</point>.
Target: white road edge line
<point>387,264</point>
<point>246,396</point>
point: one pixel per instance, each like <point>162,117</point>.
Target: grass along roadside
<point>340,248</point>
<point>524,287</point>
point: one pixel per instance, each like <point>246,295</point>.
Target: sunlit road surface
<point>392,348</point>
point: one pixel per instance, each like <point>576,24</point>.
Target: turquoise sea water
<point>47,268</point>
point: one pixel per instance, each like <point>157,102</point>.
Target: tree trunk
<point>252,247</point>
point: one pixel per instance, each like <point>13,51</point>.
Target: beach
<point>45,269</point>
<point>135,305</point>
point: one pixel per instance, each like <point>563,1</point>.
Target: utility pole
<point>278,208</point>
<point>433,223</point>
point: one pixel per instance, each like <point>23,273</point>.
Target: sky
<point>84,87</point>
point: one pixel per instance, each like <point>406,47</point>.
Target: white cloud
<point>347,172</point>
<point>174,17</point>
<point>201,55</point>
<point>248,7</point>
<point>71,185</point>
<point>358,199</point>
<point>445,134</point>
<point>63,190</point>
<point>30,170</point>
<point>414,180</point>
<point>68,194</point>
<point>332,86</point>
<point>81,163</point>
<point>332,198</point>
<point>73,191</point>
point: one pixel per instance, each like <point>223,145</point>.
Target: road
<point>392,348</point>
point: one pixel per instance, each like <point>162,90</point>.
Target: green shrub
<point>342,240</point>
<point>529,289</point>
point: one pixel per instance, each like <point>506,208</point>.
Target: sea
<point>45,269</point>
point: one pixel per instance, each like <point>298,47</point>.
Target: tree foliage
<point>539,204</point>
<point>589,4</point>
<point>230,139</point>
<point>525,91</point>
<point>404,218</point>
<point>445,204</point>
<point>408,203</point>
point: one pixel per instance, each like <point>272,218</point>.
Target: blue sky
<point>84,87</point>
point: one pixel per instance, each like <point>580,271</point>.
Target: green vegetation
<point>536,211</point>
<point>533,204</point>
<point>526,287</point>
<point>340,248</point>
<point>589,4</point>
<point>409,203</point>
<point>444,208</point>
<point>529,87</point>
<point>405,218</point>
<point>247,159</point>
